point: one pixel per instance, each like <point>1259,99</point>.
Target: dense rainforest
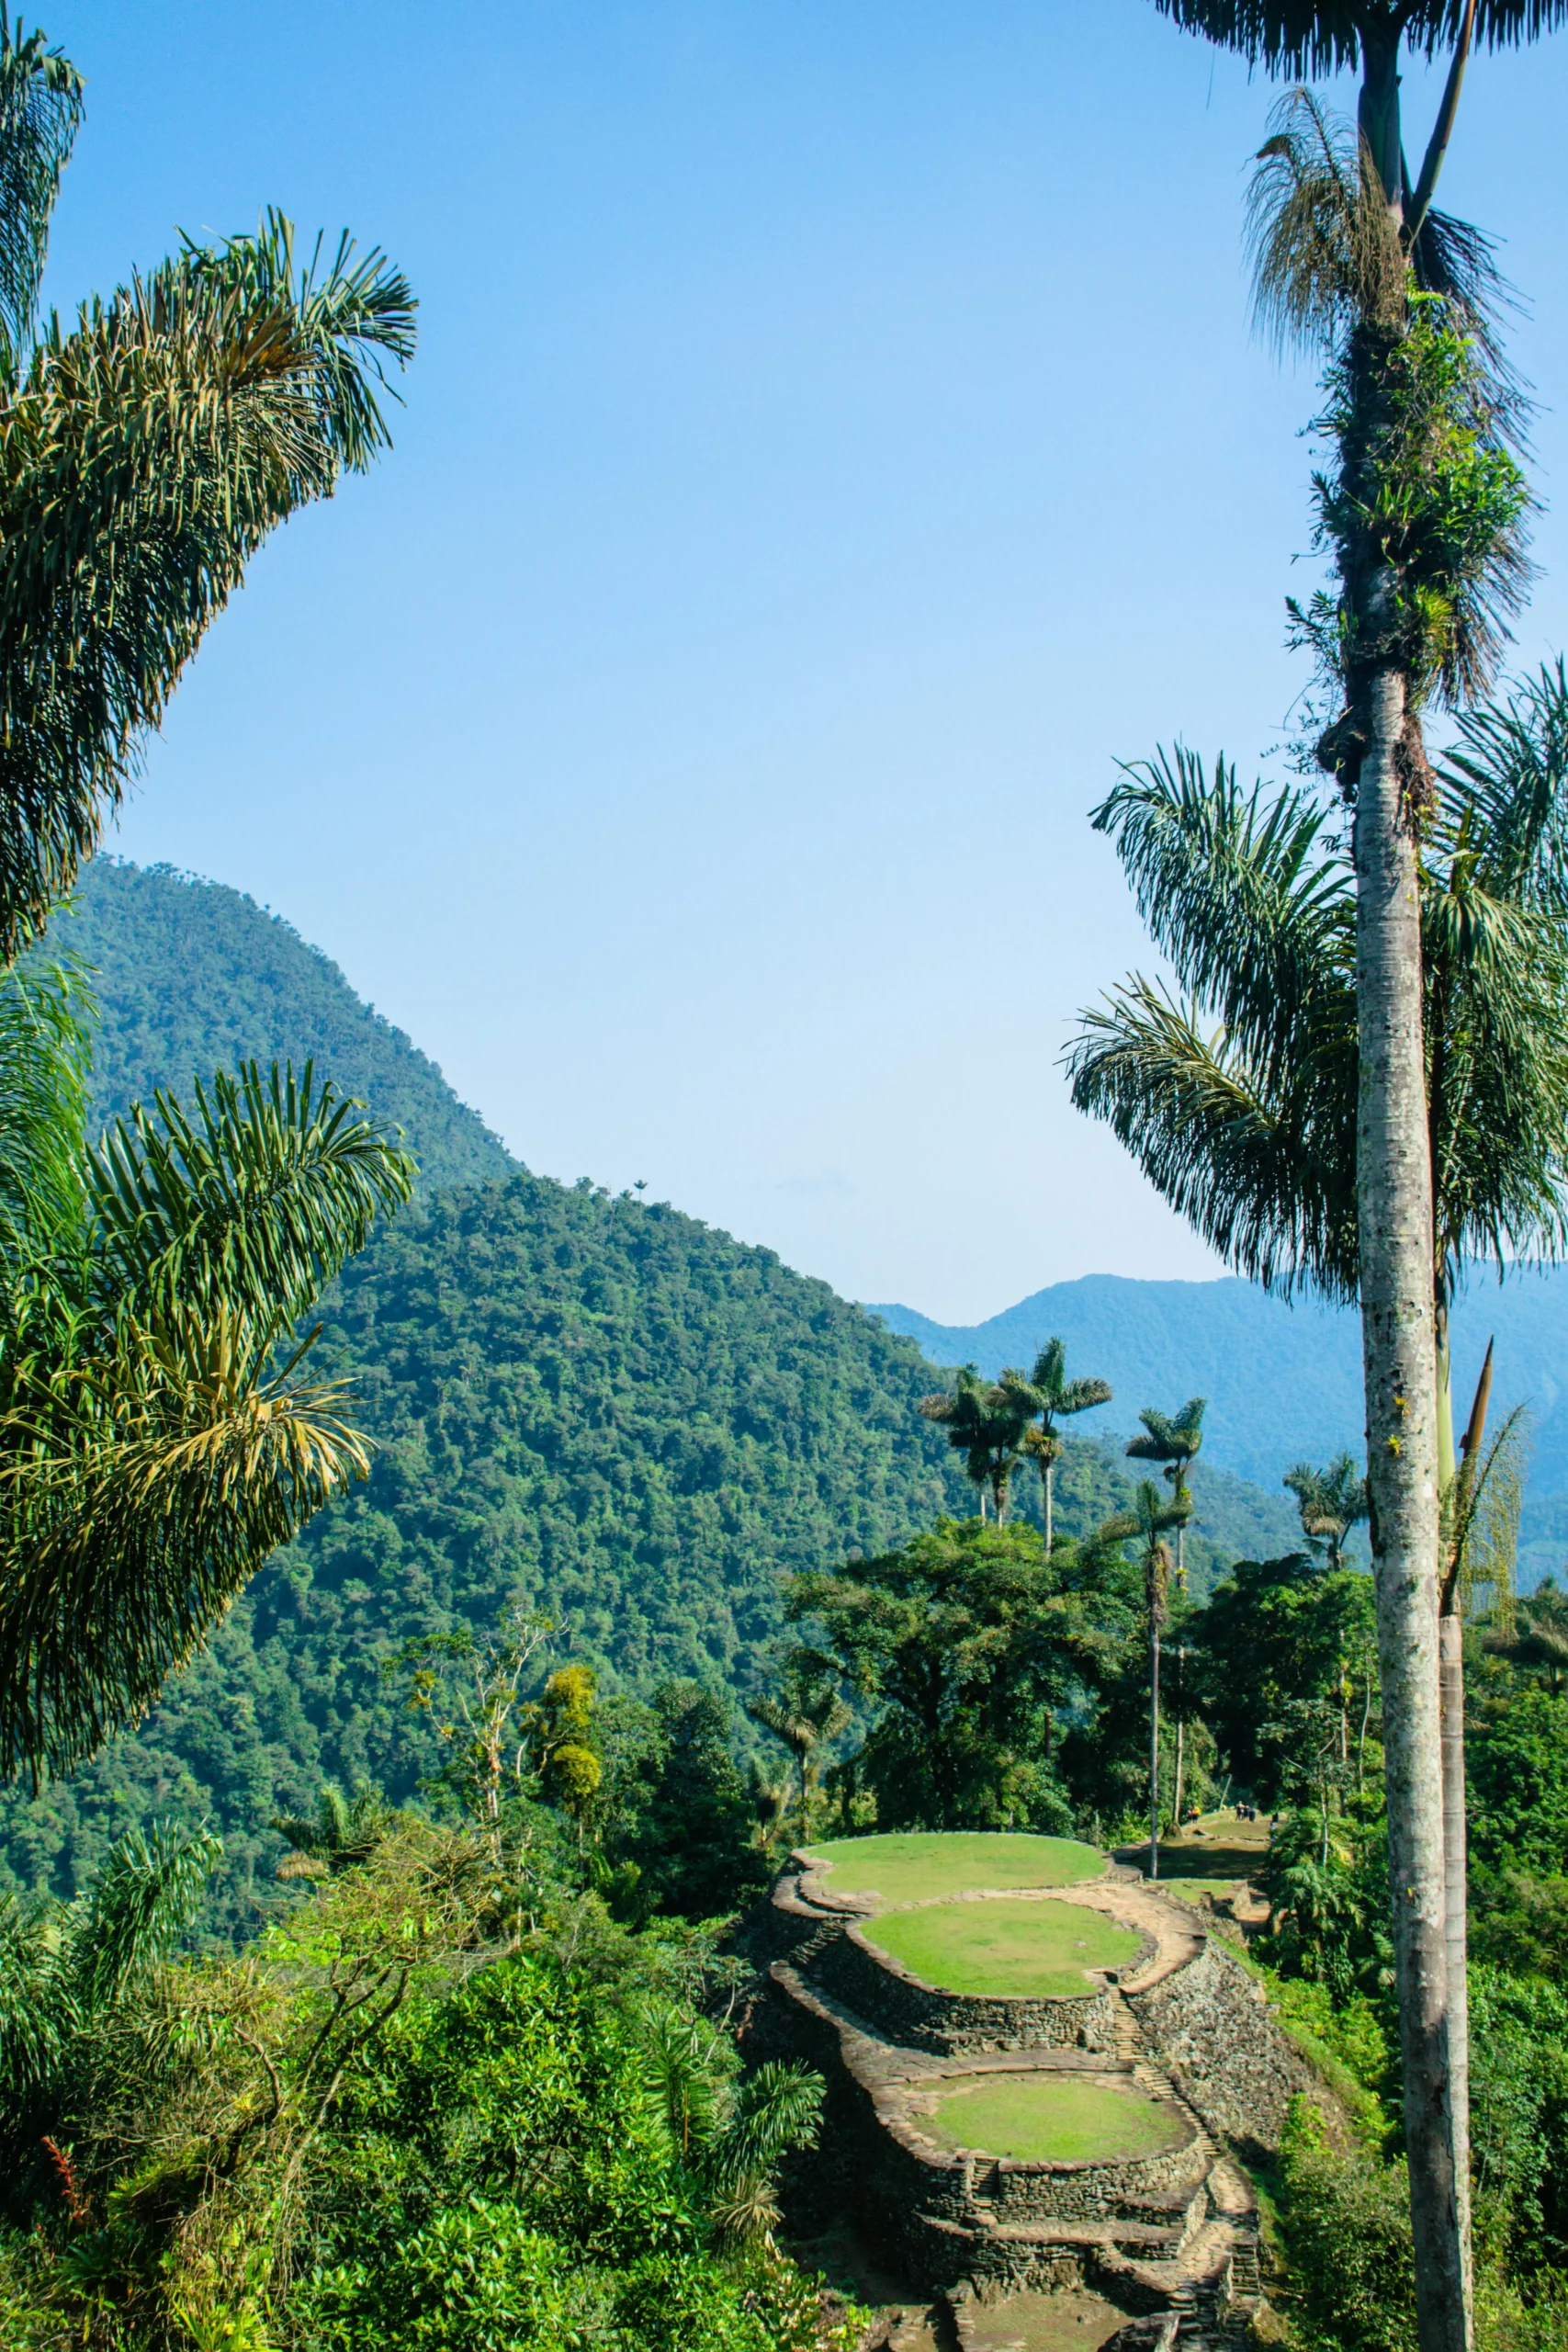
<point>638,1424</point>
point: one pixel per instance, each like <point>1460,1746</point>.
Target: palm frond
<point>141,1489</point>
<point>143,1900</point>
<point>1321,37</point>
<point>256,1202</point>
<point>40,112</point>
<point>1241,891</point>
<point>1256,1161</point>
<point>1502,790</point>
<point>45,1053</point>
<point>779,2108</point>
<point>144,457</point>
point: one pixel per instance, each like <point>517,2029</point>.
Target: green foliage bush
<point>448,2107</point>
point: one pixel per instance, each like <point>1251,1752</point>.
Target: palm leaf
<point>40,112</point>
<point>144,457</point>
<point>141,1486</point>
<point>44,1061</point>
<point>256,1202</point>
<point>1313,38</point>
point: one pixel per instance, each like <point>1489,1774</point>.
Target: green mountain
<point>193,977</point>
<point>626,1417</point>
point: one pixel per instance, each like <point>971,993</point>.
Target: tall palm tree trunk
<point>1049,1481</point>
<point>1398,1341</point>
<point>1451,1654</point>
<point>1180,1731</point>
<point>1153,1745</point>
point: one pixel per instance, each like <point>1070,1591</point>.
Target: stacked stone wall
<point>1211,2028</point>
<point>920,2018</point>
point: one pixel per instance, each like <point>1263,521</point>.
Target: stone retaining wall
<point>920,2018</point>
<point>1211,2030</point>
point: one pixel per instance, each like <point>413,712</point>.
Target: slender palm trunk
<point>1050,1479</point>
<point>1394,1190</point>
<point>1450,1650</point>
<point>1153,1745</point>
<point>1180,1734</point>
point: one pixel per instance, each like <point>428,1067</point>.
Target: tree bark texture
<point>1394,1190</point>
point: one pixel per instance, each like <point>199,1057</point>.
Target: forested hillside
<point>193,977</point>
<point>632,1420</point>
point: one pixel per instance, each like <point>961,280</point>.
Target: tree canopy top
<point>1308,37</point>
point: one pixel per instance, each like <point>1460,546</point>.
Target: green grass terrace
<point>1014,1947</point>
<point>1063,2118</point>
<point>922,1866</point>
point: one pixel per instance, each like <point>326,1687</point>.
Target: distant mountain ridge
<point>193,977</point>
<point>1284,1382</point>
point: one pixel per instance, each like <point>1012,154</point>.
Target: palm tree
<point>157,1440</point>
<point>1417,613</point>
<point>1053,1397</point>
<point>985,1422</point>
<point>146,451</point>
<point>1148,1523</point>
<point>1332,1501</point>
<point>1250,1129</point>
<point>1174,1439</point>
<point>341,1832</point>
<point>807,1716</point>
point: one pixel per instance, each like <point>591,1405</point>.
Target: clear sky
<point>835,440</point>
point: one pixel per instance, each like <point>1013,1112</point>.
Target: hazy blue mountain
<point>1283,1383</point>
<point>192,977</point>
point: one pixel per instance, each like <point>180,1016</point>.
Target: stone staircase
<point>1169,2238</point>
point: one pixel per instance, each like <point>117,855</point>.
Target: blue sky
<point>836,438</point>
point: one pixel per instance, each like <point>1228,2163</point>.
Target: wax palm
<point>1051,1398</point>
<point>340,1833</point>
<point>1332,1501</point>
<point>1422,508</point>
<point>805,1715</point>
<point>1173,1440</point>
<point>156,1441</point>
<point>145,453</point>
<point>986,1422</point>
<point>1147,1525</point>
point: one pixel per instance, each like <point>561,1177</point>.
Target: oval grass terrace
<point>1055,2120</point>
<point>1014,1947</point>
<point>933,1865</point>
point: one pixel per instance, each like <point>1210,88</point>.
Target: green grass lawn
<point>1059,2119</point>
<point>1189,1890</point>
<point>1005,1947</point>
<point>925,1863</point>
